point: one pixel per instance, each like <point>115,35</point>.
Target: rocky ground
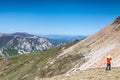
<point>91,74</point>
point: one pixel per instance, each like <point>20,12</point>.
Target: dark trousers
<point>108,67</point>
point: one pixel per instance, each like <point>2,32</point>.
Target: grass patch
<point>28,66</point>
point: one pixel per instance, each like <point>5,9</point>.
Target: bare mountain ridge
<point>86,54</point>
<point>102,43</point>
<point>93,50</point>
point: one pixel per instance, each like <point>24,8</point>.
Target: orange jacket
<point>109,60</point>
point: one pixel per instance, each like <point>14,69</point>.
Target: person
<point>108,59</point>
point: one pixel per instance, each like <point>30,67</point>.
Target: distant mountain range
<point>20,43</point>
<point>65,38</point>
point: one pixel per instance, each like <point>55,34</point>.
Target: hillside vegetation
<point>28,66</point>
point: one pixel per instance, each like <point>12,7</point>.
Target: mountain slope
<point>104,42</point>
<point>20,43</point>
<point>100,44</point>
<point>28,66</point>
<point>90,52</point>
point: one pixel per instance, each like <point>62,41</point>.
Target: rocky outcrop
<point>20,43</point>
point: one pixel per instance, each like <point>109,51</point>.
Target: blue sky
<point>63,17</point>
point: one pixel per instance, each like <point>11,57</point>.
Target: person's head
<point>108,56</point>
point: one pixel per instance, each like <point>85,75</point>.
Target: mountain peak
<point>3,34</point>
<point>117,20</point>
<point>118,17</point>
